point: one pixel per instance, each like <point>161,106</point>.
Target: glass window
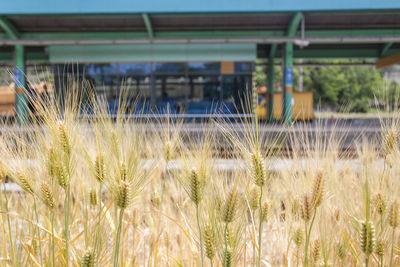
<point>168,67</point>
<point>244,67</point>
<point>204,87</point>
<point>69,69</point>
<point>134,68</point>
<point>98,68</point>
<point>204,67</point>
<point>236,89</point>
<point>105,85</point>
<point>136,87</point>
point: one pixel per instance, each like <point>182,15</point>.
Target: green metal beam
<point>9,28</point>
<point>149,27</point>
<point>21,100</point>
<point>337,53</point>
<point>304,53</point>
<point>193,34</point>
<point>294,23</point>
<point>32,56</point>
<point>332,53</point>
<point>271,68</point>
<point>385,49</point>
<point>288,69</point>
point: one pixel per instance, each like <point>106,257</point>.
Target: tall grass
<point>104,191</point>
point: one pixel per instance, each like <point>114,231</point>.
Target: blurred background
<point>292,60</point>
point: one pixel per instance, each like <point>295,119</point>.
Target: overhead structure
<point>19,70</point>
<point>222,31</point>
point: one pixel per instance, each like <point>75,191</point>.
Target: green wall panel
<point>153,52</point>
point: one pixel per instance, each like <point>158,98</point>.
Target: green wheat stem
<point>9,225</point>
<point>260,227</point>
<point>117,239</point>
<point>367,207</point>
<point>200,235</point>
<point>98,243</point>
<point>254,244</point>
<point>85,225</point>
<point>52,238</point>
<point>306,245</point>
<point>133,247</point>
<point>67,211</point>
<point>308,234</point>
<point>391,250</point>
<point>38,231</point>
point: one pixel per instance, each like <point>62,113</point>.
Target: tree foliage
<point>344,86</point>
<point>350,88</point>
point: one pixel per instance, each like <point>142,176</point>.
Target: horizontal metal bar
<point>174,116</point>
<point>278,39</point>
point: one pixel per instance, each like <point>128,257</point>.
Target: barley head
<point>306,209</point>
<point>318,190</point>
<point>62,175</point>
<point>390,141</point>
<point>195,189</point>
<point>380,204</point>
<point>298,237</point>
<point>25,183</point>
<point>367,237</point>
<point>209,240</point>
<point>47,195</point>
<point>123,194</point>
<point>93,197</point>
<point>394,215</point>
<point>230,206</point>
<point>64,140</point>
<point>99,168</point>
<point>123,171</point>
<point>258,169</point>
<point>227,260</point>
<point>341,250</point>
<point>380,248</point>
<point>316,250</point>
<point>88,259</point>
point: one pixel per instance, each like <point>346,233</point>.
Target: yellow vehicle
<point>7,96</point>
<point>302,106</point>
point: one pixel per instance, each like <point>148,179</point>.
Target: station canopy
<point>344,29</point>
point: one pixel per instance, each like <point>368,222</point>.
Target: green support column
<point>20,84</point>
<point>271,68</point>
<point>288,83</point>
<point>288,69</point>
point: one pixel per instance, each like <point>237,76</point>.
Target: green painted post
<point>21,100</point>
<point>288,83</point>
<point>271,68</point>
<point>288,69</point>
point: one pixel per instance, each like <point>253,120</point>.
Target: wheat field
<point>104,191</point>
